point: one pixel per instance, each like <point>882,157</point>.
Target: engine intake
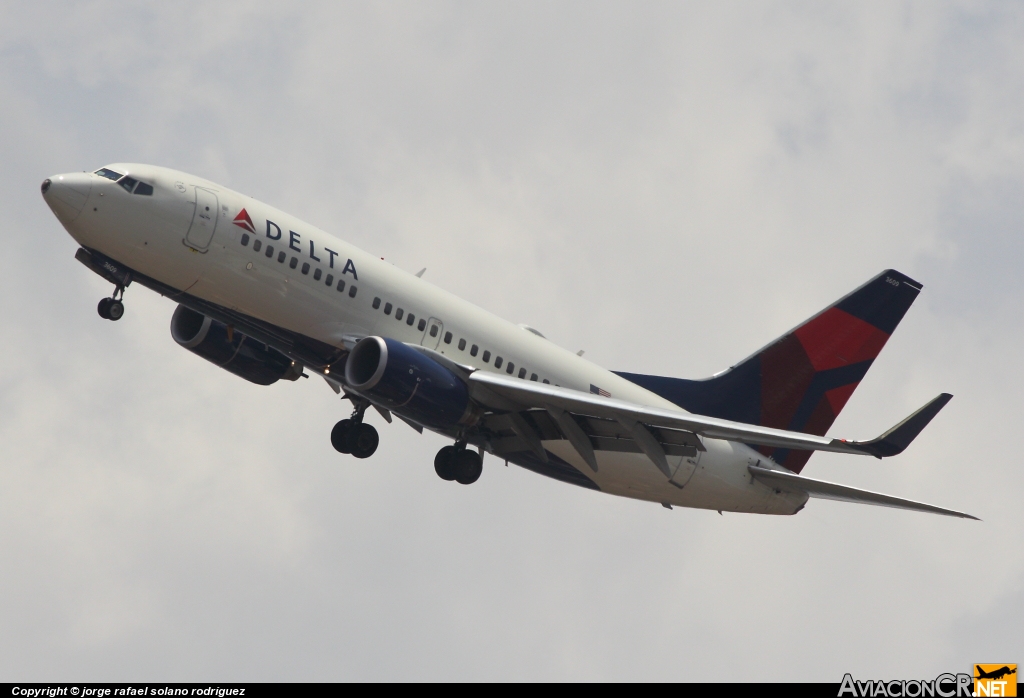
<point>407,382</point>
<point>233,351</point>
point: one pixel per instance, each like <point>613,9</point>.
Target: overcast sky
<point>667,186</point>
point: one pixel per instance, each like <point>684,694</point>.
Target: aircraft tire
<point>468,467</point>
<point>365,442</point>
<point>103,308</point>
<point>342,436</point>
<point>444,463</point>
<point>115,311</point>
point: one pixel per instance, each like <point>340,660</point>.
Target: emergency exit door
<point>432,335</point>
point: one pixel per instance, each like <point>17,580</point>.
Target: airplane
<point>996,674</point>
<point>268,297</point>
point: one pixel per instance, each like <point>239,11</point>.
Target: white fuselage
<point>165,237</point>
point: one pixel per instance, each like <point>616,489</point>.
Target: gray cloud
<point>668,187</point>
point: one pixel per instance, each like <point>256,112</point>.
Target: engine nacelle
<point>244,356</point>
<point>408,382</point>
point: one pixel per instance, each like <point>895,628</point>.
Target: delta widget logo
<point>243,221</point>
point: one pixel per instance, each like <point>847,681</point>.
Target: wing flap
<point>527,394</point>
<point>829,490</point>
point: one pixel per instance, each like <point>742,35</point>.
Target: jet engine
<point>408,382</point>
<point>244,356</point>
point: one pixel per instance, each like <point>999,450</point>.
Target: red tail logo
<point>243,221</point>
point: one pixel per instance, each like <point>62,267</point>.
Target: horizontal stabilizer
<point>899,437</point>
<point>829,490</point>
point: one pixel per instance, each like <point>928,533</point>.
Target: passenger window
<point>498,361</point>
<point>533,377</point>
<point>447,337</point>
<point>511,367</point>
<point>257,245</point>
<point>294,263</point>
<point>472,352</point>
<point>522,373</point>
<point>376,303</point>
<point>317,274</point>
<point>341,285</point>
<point>546,381</point>
<point>109,174</point>
<point>144,189</point>
<point>411,319</point>
<point>387,308</point>
<point>281,256</point>
<point>329,280</point>
<point>245,239</point>
<point>128,183</point>
<point>270,250</point>
<point>433,331</point>
<point>352,291</point>
<point>462,345</point>
<point>305,267</point>
<point>487,356</point>
<point>399,313</point>
<point>423,324</point>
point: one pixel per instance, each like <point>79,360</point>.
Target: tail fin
<point>802,380</point>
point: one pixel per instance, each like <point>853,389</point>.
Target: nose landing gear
<point>112,308</point>
<point>458,464</point>
<point>355,437</point>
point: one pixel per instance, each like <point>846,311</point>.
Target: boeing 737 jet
<point>268,297</point>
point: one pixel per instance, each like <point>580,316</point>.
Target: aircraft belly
<point>718,480</point>
<point>722,482</point>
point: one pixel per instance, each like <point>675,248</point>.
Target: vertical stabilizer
<point>802,380</point>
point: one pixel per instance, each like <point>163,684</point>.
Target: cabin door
<point>204,221</point>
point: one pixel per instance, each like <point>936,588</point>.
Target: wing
<point>657,431</point>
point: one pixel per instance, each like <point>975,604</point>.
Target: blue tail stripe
<point>735,395</point>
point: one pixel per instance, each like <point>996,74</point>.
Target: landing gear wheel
<point>115,311</point>
<point>343,435</point>
<point>365,442</point>
<point>444,463</point>
<point>468,467</point>
<point>104,308</point>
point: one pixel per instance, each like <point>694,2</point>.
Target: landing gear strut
<point>355,437</point>
<point>457,463</point>
<point>112,308</point>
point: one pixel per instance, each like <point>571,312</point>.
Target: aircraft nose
<point>67,194</point>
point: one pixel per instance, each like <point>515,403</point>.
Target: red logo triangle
<point>242,220</point>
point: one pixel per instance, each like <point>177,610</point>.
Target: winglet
<point>897,439</point>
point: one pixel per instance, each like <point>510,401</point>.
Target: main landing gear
<point>355,437</point>
<point>112,308</point>
<point>457,463</point>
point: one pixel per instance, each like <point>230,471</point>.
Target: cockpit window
<point>109,174</point>
<point>128,183</point>
<point>144,189</point>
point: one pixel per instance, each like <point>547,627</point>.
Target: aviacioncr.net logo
<point>942,686</point>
